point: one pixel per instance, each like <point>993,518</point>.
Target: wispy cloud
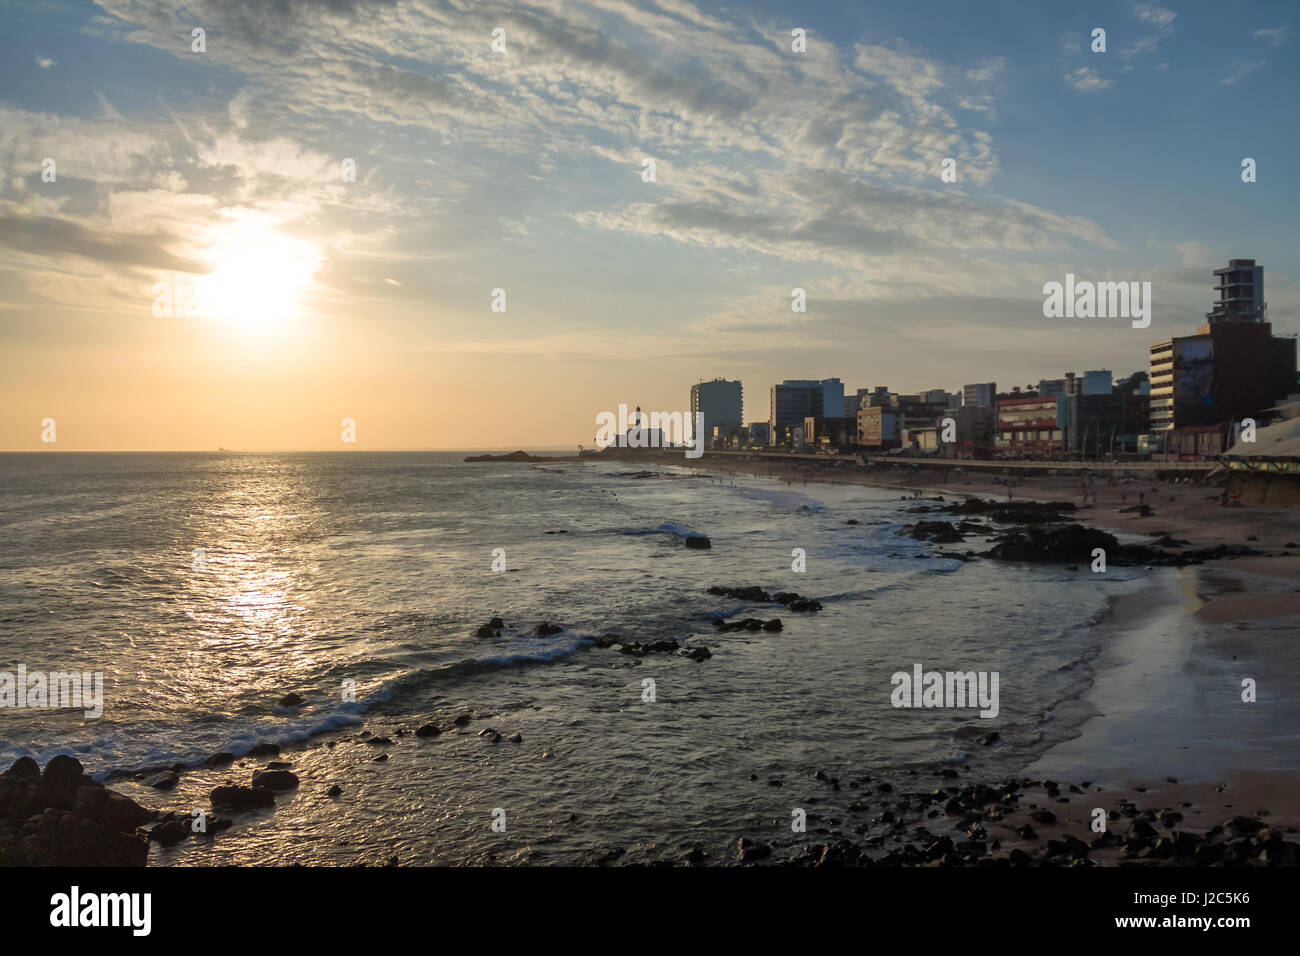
<point>1274,36</point>
<point>1159,17</point>
<point>1240,70</point>
<point>1087,79</point>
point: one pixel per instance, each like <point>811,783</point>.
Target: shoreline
<point>1175,623</point>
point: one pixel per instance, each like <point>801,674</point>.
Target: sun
<point>259,277</point>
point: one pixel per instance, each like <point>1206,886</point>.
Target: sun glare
<point>259,277</point>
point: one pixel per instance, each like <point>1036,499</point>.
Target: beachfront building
<point>1029,426</point>
<point>756,435</point>
<point>796,399</point>
<point>982,394</point>
<point>1267,470</point>
<point>831,435</point>
<point>976,431</point>
<point>1234,367</point>
<point>923,439</point>
<point>1091,425</point>
<point>721,403</point>
<point>877,428</point>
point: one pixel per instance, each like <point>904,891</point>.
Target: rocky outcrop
<point>1074,543</point>
<point>1063,543</point>
<point>60,817</point>
<point>795,602</point>
<point>756,595</point>
<point>748,624</point>
<point>939,532</point>
<point>1012,512</point>
<point>511,456</point>
<point>492,628</point>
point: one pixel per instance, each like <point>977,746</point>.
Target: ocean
<point>205,587</point>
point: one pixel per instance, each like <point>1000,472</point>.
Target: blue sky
<point>478,170</point>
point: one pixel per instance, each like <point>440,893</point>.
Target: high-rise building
<point>796,399</point>
<point>1241,293</point>
<point>721,403</point>
<point>980,394</point>
<point>1232,368</point>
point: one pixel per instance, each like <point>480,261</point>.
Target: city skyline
<point>523,170</point>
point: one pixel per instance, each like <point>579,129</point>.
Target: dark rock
<point>754,595</point>
<point>242,798</point>
<point>162,781</point>
<point>334,791</point>
<point>168,833</point>
<point>429,730</point>
<point>937,532</point>
<point>24,768</point>
<point>1043,816</point>
<point>795,602</point>
<point>546,629</point>
<point>698,542</point>
<point>292,700</point>
<point>219,760</point>
<point>747,624</point>
<point>265,750</point>
<point>275,779</point>
<point>63,818</point>
<point>1063,543</point>
<point>751,850</point>
<point>62,772</point>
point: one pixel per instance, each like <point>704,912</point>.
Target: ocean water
<point>316,570</point>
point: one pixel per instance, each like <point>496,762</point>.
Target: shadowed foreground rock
<point>63,818</point>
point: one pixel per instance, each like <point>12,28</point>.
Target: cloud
<point>828,160</point>
<point>1275,36</point>
<point>1139,47</point>
<point>1087,79</point>
<point>1158,17</point>
<point>44,62</point>
<point>1240,70</point>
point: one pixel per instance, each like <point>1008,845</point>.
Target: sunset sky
<point>478,170</point>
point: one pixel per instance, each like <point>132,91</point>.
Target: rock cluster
<point>60,817</point>
<point>756,595</point>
